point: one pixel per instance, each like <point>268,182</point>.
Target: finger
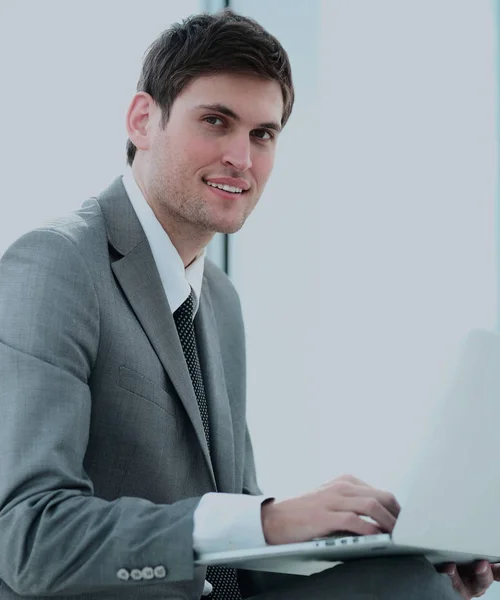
<point>386,499</point>
<point>354,480</point>
<point>495,569</point>
<point>350,479</point>
<point>456,581</point>
<point>370,507</point>
<point>481,579</point>
<point>475,579</point>
<point>445,568</point>
<point>351,522</point>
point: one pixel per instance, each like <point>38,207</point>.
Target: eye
<point>212,120</point>
<point>262,134</point>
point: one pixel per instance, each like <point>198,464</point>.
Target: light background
<point>374,248</point>
<point>69,70</point>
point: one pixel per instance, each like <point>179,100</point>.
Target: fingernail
<point>452,573</point>
<point>482,569</point>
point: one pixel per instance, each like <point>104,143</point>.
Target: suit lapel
<point>138,277</point>
<point>221,426</point>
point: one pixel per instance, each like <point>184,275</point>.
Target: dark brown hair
<point>204,44</point>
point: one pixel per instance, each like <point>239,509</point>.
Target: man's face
<point>222,131</point>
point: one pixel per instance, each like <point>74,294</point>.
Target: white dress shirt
<point>221,521</point>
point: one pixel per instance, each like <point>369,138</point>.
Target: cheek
<point>263,166</point>
<point>200,152</point>
<point>184,150</point>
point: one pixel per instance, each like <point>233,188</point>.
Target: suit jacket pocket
<point>142,386</point>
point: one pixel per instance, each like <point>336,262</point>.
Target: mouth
<point>224,190</point>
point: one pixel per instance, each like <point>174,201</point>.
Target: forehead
<point>252,98</point>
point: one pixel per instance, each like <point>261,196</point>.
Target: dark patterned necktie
<point>223,580</point>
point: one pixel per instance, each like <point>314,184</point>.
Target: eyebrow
<point>225,110</point>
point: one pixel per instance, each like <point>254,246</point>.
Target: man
<point>125,448</point>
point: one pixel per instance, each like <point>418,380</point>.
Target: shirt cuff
<point>225,522</point>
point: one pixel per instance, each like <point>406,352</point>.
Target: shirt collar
<point>176,280</point>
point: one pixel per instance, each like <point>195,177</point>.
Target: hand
<point>472,581</point>
<point>336,506</point>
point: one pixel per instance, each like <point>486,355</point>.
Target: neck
<point>188,240</point>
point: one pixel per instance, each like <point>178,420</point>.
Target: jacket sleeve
<point>56,536</point>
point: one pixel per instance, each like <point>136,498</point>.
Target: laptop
<point>452,510</point>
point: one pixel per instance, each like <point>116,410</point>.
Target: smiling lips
<point>228,184</point>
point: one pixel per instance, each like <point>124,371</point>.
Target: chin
<point>228,225</point>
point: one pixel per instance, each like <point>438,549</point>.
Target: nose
<point>237,153</point>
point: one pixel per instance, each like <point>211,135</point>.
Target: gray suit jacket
<point>103,457</point>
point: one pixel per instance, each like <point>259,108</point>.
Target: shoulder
<point>77,233</point>
<point>81,227</point>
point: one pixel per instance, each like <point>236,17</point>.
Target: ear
<point>140,120</point>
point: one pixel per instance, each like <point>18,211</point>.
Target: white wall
<point>374,247</point>
<point>69,71</point>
